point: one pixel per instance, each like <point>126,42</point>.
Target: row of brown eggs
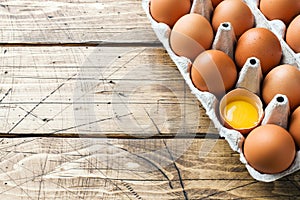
<point>271,148</point>
<point>192,36</point>
<point>241,17</point>
<point>288,11</point>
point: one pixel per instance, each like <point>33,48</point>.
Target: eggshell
<point>294,127</point>
<point>245,95</point>
<point>284,10</point>
<point>262,44</point>
<point>216,2</point>
<point>237,13</point>
<point>214,71</point>
<point>191,35</point>
<point>292,34</point>
<point>169,11</point>
<point>208,100</point>
<point>269,149</point>
<point>284,79</point>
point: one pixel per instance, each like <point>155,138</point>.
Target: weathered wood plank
<point>74,22</point>
<point>51,168</point>
<point>129,91</point>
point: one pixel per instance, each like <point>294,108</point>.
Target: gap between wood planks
<point>111,136</point>
<point>108,135</point>
<point>90,44</point>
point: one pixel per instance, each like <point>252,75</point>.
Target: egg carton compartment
<point>278,28</point>
<point>249,77</point>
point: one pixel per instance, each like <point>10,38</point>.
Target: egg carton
<point>250,77</point>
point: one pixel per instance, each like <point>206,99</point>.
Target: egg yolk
<point>241,114</point>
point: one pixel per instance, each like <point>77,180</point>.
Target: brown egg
<point>215,2</point>
<point>284,10</point>
<point>292,34</point>
<point>191,35</point>
<point>284,79</point>
<point>169,11</point>
<point>214,71</point>
<point>262,44</point>
<point>237,13</point>
<point>269,149</point>
<point>294,127</point>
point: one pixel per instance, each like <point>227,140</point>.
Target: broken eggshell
<point>208,100</point>
<point>241,95</point>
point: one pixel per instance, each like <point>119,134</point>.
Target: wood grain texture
<point>103,91</point>
<point>89,68</point>
<point>57,168</point>
<point>74,22</point>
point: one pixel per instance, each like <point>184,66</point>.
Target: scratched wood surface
<point>100,91</point>
<point>72,69</point>
<point>47,168</point>
<point>74,22</point>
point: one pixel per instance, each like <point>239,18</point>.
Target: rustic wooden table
<point>92,107</point>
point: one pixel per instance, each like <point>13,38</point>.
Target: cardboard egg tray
<point>248,78</point>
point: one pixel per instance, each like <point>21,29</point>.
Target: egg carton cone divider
<point>278,28</point>
<point>277,111</point>
<point>249,78</point>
